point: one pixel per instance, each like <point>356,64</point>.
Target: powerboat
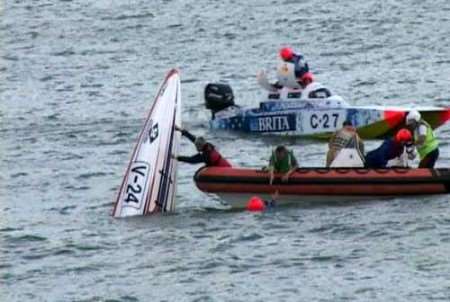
<point>291,112</point>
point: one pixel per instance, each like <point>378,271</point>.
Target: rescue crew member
<point>346,137</point>
<point>426,143</point>
<point>207,153</point>
<point>283,161</point>
<point>391,148</point>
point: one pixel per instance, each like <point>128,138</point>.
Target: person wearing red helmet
<point>391,148</point>
<point>287,54</point>
<point>292,72</point>
<point>301,67</point>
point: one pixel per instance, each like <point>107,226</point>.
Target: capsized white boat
<point>150,180</point>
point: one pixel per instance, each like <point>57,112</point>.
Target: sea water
<point>76,78</point>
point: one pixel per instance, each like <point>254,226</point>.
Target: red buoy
<point>256,204</point>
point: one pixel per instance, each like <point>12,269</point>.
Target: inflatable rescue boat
<point>310,185</point>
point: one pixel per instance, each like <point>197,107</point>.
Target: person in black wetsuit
<point>207,153</point>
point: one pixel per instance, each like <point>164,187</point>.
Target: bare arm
<point>294,166</point>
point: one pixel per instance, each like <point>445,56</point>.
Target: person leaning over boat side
<point>283,161</point>
<point>426,143</point>
<point>346,137</point>
<point>295,75</point>
<point>207,153</point>
<point>391,148</point>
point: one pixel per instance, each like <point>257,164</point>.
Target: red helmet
<point>403,135</point>
<point>286,53</point>
<point>307,78</point>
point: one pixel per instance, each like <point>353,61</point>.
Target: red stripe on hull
<point>394,118</point>
<point>332,190</point>
<point>327,181</point>
<point>445,116</point>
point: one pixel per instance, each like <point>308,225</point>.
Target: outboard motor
<point>218,97</point>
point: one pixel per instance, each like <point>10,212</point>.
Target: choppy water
<point>75,80</point>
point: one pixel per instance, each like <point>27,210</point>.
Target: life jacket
<point>430,144</point>
<point>214,158</point>
<point>284,165</point>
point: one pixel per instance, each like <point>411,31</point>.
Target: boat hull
<point>149,183</point>
<point>309,119</point>
<point>312,185</point>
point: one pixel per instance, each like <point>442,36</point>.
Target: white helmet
<point>413,115</point>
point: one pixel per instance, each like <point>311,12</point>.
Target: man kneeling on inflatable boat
<point>346,139</point>
<point>207,153</point>
<point>282,160</point>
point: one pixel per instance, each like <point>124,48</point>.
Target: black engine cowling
<point>218,97</point>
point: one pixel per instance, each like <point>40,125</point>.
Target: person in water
<point>391,148</point>
<point>283,161</point>
<point>426,143</point>
<point>346,137</point>
<point>207,152</point>
<point>292,72</point>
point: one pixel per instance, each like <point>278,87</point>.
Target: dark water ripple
<point>76,79</point>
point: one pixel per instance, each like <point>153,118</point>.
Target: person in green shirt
<point>426,143</point>
<point>283,161</point>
